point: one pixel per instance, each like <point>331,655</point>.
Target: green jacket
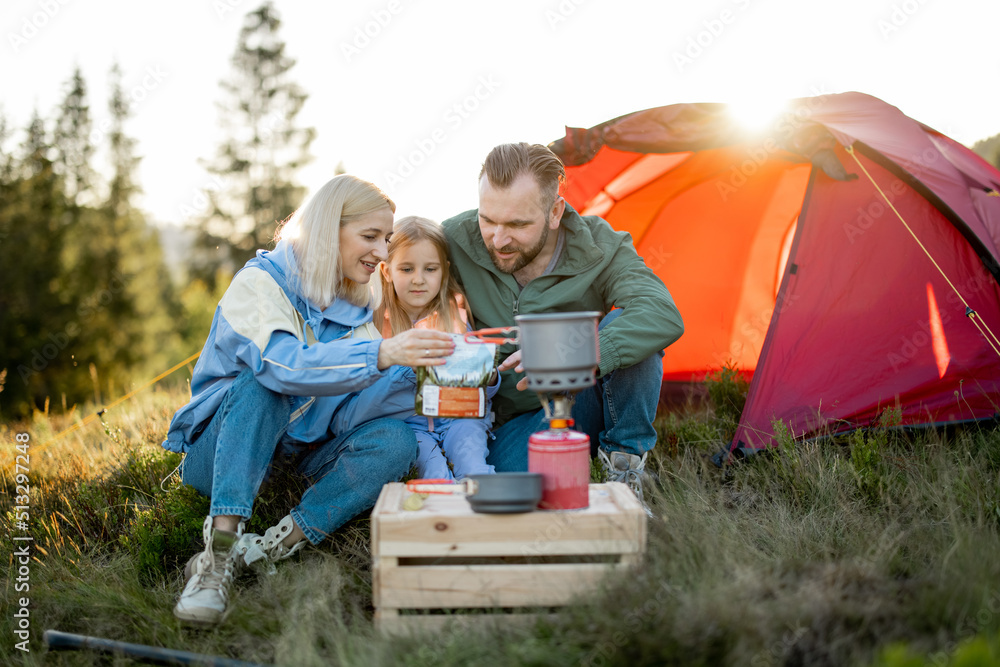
<point>597,269</point>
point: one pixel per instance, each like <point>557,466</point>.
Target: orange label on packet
<point>459,402</point>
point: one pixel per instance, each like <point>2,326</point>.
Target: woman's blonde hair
<point>405,233</point>
<point>313,233</point>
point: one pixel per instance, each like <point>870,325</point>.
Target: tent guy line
<point>970,312</point>
<point>95,415</point>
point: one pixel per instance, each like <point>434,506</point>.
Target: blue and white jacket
<point>325,360</point>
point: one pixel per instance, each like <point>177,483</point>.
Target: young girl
<point>419,292</point>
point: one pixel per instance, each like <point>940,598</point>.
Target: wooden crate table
<point>444,557</point>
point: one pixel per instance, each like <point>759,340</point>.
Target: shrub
<point>727,389</point>
<point>164,534</point>
<point>871,456</point>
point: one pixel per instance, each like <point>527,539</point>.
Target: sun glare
<point>290,230</point>
<point>757,113</point>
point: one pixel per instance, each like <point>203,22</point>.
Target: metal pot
<point>559,351</point>
<point>500,493</point>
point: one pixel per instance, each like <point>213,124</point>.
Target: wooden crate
<point>444,557</point>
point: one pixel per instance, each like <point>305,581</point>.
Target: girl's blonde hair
<point>313,233</point>
<point>405,233</point>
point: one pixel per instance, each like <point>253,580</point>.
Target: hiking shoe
<point>627,468</point>
<point>209,575</point>
<point>267,549</point>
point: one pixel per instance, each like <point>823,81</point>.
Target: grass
<point>878,547</point>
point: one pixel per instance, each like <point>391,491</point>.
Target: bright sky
<point>416,103</point>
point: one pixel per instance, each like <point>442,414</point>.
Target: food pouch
<point>457,388</point>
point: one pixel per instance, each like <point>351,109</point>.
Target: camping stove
<point>559,353</point>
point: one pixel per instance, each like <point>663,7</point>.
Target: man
<point>524,250</point>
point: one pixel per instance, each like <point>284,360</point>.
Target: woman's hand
<point>415,347</point>
<point>514,361</point>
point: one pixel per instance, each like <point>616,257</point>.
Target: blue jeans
<point>232,457</point>
<point>460,441</point>
<point>616,413</point>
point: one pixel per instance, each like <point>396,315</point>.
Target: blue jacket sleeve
<point>259,327</point>
<point>288,366</point>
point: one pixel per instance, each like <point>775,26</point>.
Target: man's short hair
<point>508,161</point>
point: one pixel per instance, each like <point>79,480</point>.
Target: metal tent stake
<point>66,641</point>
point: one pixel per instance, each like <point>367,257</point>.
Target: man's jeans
<point>617,413</point>
<point>231,458</point>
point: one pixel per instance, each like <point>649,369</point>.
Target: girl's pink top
<point>433,321</point>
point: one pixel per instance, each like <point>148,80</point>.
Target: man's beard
<point>523,257</point>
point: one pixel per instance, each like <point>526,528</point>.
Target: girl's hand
<point>415,347</point>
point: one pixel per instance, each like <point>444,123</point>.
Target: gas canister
<point>562,457</point>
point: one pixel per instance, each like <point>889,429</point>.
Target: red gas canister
<point>563,459</point>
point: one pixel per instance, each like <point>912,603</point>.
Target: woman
<point>294,368</point>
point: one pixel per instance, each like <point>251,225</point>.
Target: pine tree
<point>122,151</point>
<point>37,150</point>
<point>82,267</point>
<point>147,309</point>
<point>34,305</point>
<point>989,149</point>
<point>6,181</point>
<point>91,260</point>
<point>262,152</point>
<point>74,152</point>
<point>87,301</point>
<point>6,159</point>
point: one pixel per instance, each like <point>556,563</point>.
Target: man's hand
<point>514,361</point>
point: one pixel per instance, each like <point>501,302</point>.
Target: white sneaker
<point>209,576</point>
<point>266,550</point>
<point>627,468</point>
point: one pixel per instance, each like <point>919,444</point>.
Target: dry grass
<point>879,547</point>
